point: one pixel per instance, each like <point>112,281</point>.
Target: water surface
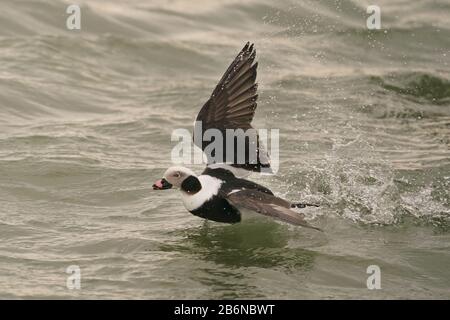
<point>85,124</point>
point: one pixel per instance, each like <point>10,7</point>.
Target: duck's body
<point>218,194</point>
<point>209,202</point>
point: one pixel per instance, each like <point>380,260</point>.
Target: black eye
<point>177,175</point>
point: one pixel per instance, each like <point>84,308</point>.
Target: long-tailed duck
<point>218,194</point>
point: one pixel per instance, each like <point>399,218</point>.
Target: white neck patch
<point>210,188</point>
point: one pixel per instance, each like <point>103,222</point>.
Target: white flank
<point>210,188</point>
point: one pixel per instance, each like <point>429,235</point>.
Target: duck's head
<point>174,177</point>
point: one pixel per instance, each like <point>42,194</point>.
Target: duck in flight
<point>219,193</point>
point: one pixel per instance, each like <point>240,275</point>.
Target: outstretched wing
<point>267,205</point>
<point>233,101</point>
<point>232,105</point>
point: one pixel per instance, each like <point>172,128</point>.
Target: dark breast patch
<point>218,209</point>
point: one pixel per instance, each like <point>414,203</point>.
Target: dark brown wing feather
<point>267,205</point>
<point>232,105</point>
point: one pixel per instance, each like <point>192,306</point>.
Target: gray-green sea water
<point>86,119</point>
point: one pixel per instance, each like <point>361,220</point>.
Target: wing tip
<point>248,48</point>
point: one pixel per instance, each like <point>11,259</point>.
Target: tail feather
<point>303,205</point>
